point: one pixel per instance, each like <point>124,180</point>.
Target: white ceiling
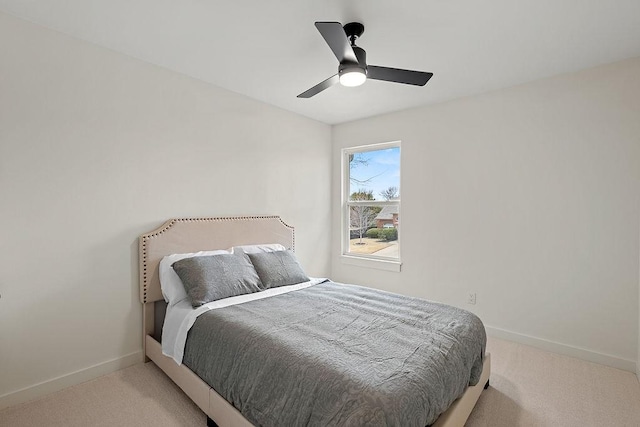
<point>271,51</point>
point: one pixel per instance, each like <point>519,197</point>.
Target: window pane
<point>375,175</point>
<point>373,230</point>
<point>372,193</point>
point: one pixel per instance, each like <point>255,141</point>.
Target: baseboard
<point>567,350</point>
<point>46,387</point>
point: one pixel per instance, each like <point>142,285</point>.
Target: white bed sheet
<point>181,316</point>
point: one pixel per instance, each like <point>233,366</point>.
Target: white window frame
<point>366,260</point>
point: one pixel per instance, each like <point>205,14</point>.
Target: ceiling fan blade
<point>418,78</point>
<point>320,87</point>
<point>336,38</point>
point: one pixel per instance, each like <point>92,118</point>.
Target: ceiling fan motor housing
<point>345,66</point>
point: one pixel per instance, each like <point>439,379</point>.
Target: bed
<point>200,234</point>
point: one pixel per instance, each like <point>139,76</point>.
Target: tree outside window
<point>361,218</point>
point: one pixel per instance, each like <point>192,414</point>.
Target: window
<point>371,202</point>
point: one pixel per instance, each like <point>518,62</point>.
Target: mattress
<point>336,354</point>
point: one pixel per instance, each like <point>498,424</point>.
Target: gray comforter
<point>336,354</point>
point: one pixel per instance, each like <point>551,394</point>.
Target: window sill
<point>379,264</point>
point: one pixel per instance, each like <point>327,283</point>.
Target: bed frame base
<point>459,411</point>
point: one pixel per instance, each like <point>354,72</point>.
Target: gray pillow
<point>210,278</point>
<point>279,268</point>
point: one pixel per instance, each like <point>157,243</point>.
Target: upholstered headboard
<point>186,235</point>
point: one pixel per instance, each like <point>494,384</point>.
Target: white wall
<point>97,148</point>
<point>528,196</point>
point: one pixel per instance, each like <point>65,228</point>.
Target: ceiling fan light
<point>352,77</point>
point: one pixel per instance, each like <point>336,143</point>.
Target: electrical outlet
<point>471,298</point>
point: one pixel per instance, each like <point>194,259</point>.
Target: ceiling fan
<point>353,69</point>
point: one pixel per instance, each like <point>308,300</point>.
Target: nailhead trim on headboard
<point>145,237</point>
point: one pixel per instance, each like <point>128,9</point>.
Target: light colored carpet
<point>138,396</point>
<point>529,387</point>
